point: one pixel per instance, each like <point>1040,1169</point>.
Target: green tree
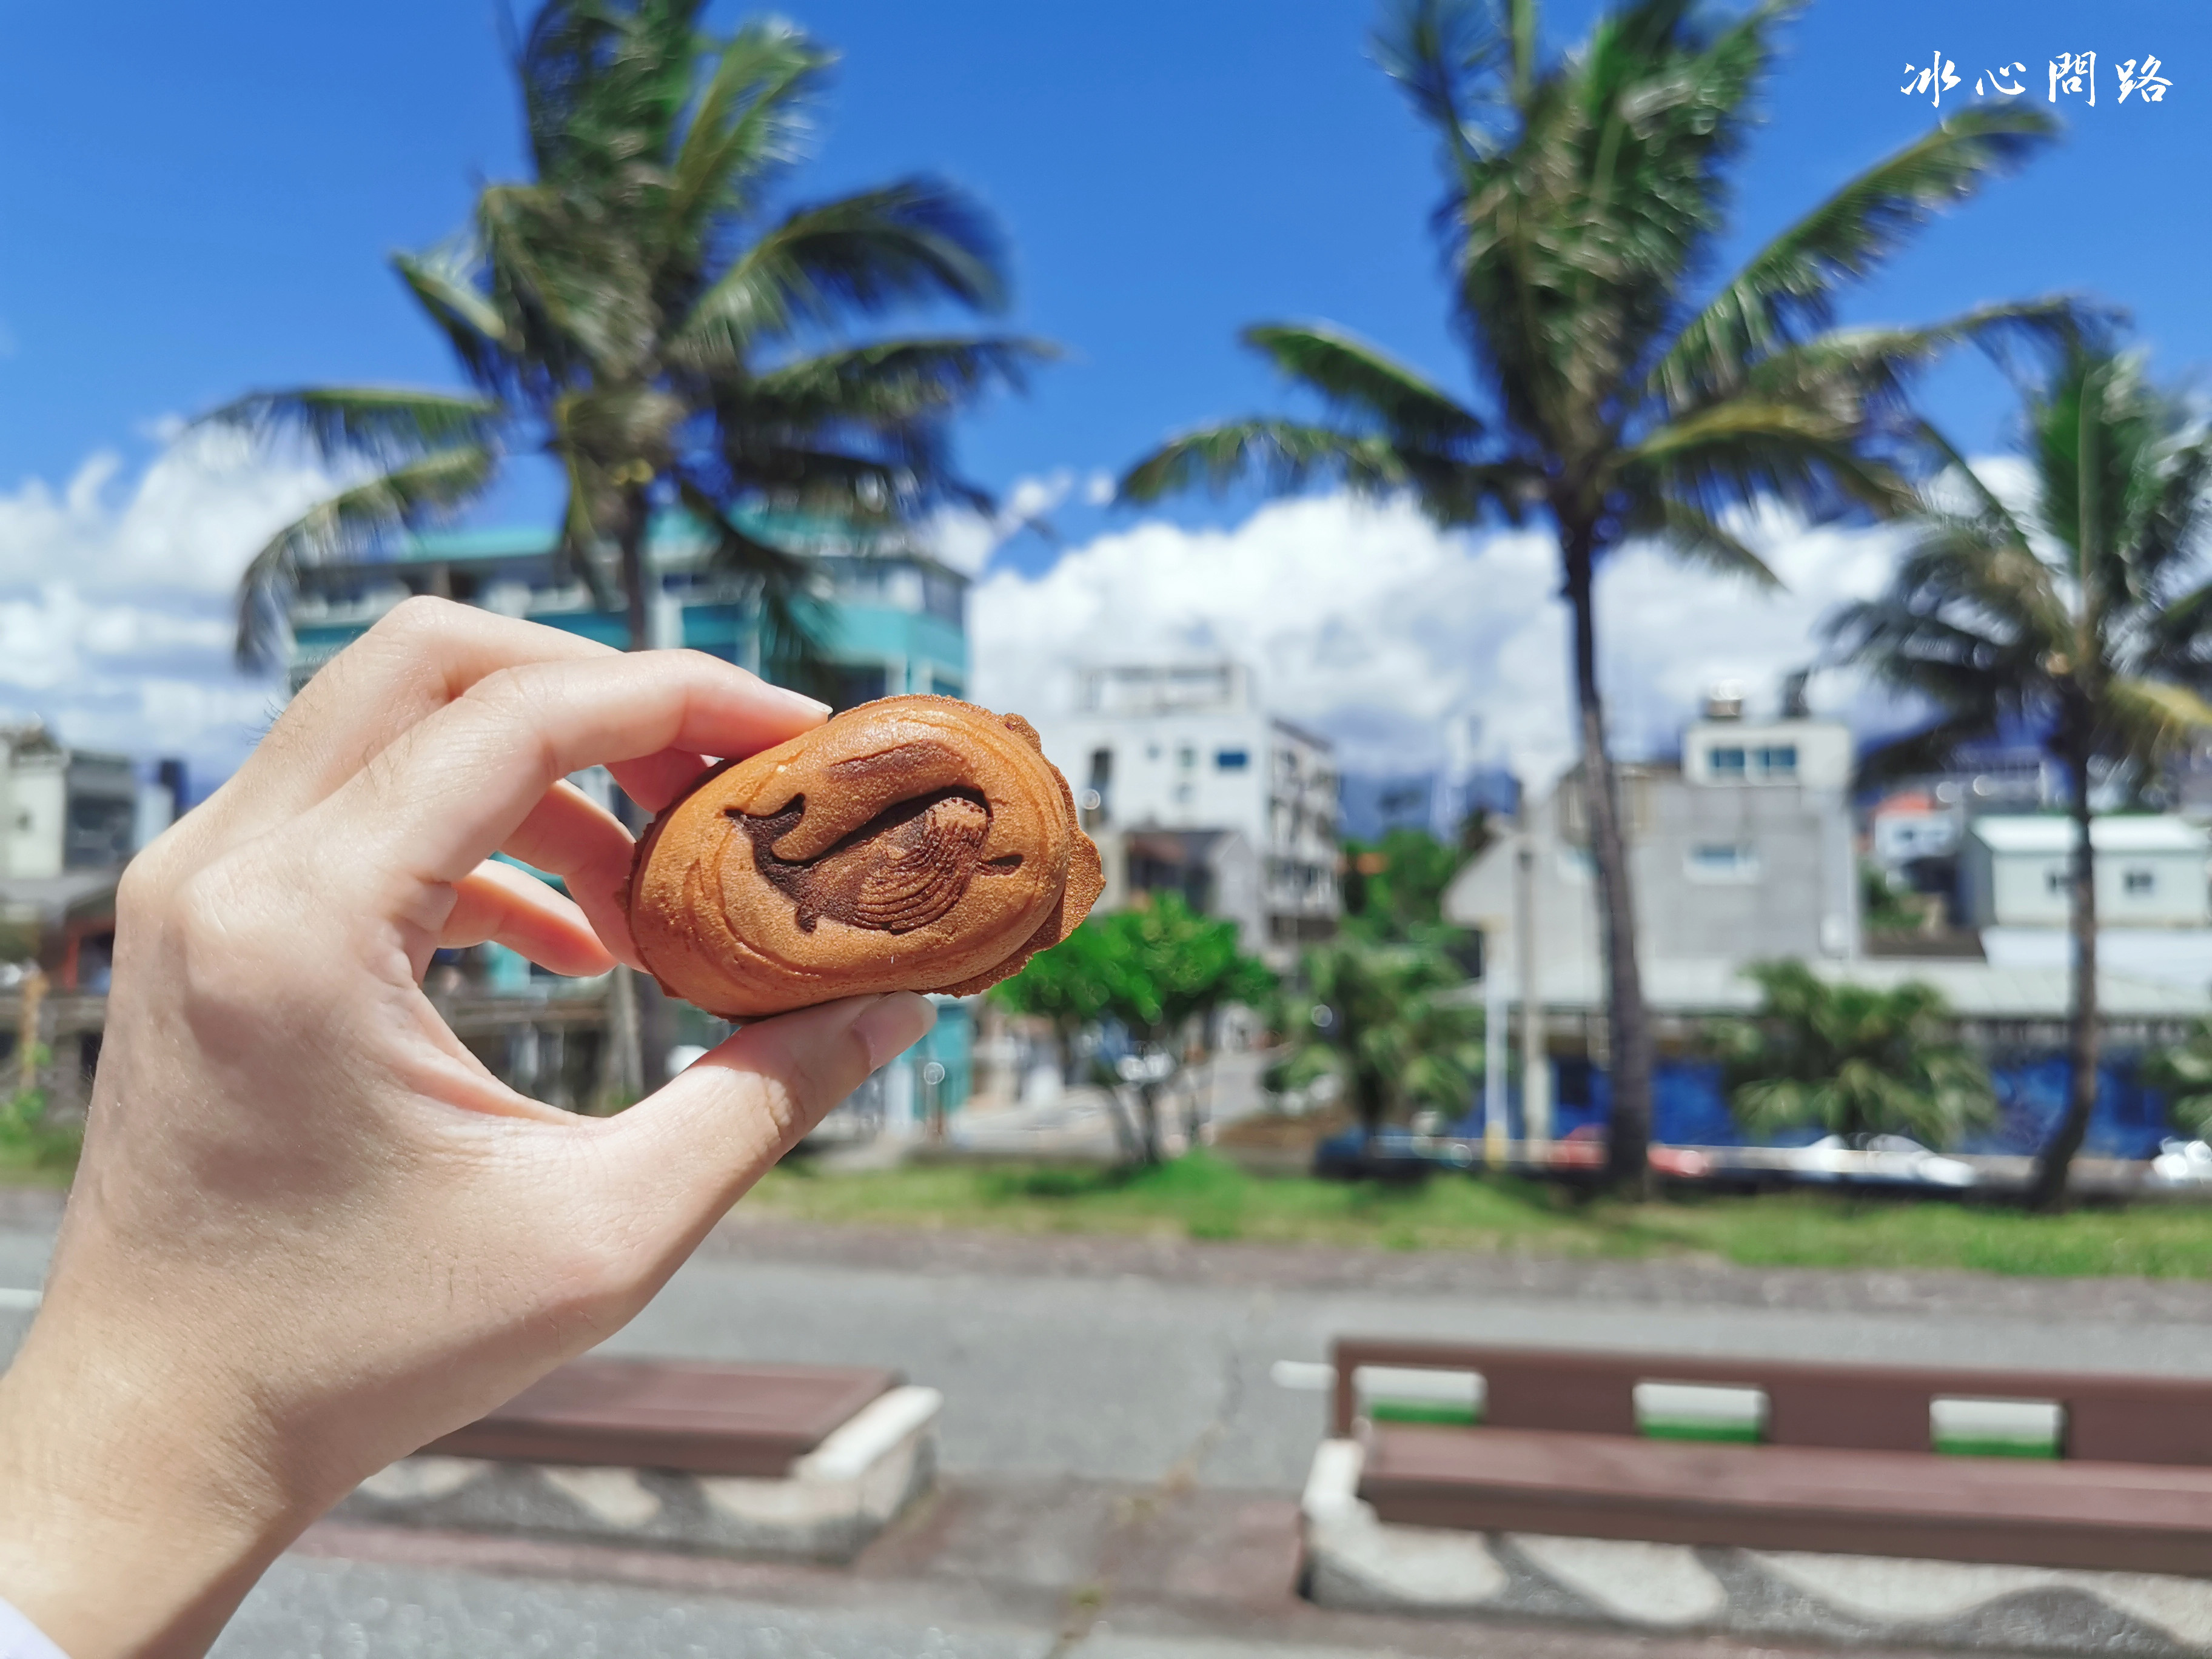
<point>1585,193</point>
<point>1852,1058</point>
<point>1393,888</point>
<point>2083,616</point>
<point>1154,969</point>
<point>1390,1023</point>
<point>638,313</point>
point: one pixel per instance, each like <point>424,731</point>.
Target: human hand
<point>310,1232</point>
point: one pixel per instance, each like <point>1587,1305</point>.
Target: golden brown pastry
<point>912,844</point>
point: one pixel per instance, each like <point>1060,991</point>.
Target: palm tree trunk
<point>1629,1033</point>
<point>629,538</point>
<point>655,1028</point>
<point>2048,1190</point>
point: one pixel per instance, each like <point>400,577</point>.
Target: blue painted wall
<point>1689,1107</point>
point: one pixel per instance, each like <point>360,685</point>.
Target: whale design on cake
<point>915,843</point>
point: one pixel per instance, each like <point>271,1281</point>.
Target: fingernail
<point>800,700</point>
<point>894,1025</point>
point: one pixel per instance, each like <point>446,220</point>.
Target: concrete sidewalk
<point>1036,1570</point>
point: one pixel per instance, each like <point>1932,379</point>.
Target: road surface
<point>1088,1381</point>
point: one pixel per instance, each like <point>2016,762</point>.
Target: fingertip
<point>894,1025</point>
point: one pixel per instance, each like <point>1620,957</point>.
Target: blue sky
<point>199,200</point>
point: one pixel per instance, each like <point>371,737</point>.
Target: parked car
<point>1583,1148</point>
<point>2181,1164</point>
<point>1892,1161</point>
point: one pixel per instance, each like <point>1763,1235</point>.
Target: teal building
<point>893,619</point>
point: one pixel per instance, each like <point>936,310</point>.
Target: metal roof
<point>2048,834</point>
<point>1975,990</point>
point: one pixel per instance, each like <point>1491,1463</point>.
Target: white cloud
<point>1365,622</point>
<point>966,539</point>
<point>116,594</point>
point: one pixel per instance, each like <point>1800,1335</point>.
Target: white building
<point>2018,873</point>
<point>1189,748</point>
<point>1743,853</point>
<point>62,808</point>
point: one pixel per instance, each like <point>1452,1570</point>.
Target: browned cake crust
<point>912,844</point>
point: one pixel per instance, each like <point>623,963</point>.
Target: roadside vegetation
<point>33,1152</point>
<point>1206,1197</point>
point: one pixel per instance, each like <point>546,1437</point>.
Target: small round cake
<point>912,844</point>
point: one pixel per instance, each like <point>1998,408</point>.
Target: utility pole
<point>1494,1016</point>
<point>1535,1059</point>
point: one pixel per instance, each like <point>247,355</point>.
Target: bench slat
<point>2122,1516</point>
<point>703,1419</point>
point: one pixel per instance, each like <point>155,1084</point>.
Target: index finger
<point>418,658</point>
<point>457,784</point>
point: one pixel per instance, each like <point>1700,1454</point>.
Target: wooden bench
<point>702,1419</point>
<point>1846,1460</point>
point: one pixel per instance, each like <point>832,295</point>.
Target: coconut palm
<point>1585,194</point>
<point>1391,1023</point>
<point>1853,1060</point>
<point>638,313</point>
<point>2184,1074</point>
<point>2083,616</point>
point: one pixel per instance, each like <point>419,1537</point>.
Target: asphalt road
<point>1134,1378</point>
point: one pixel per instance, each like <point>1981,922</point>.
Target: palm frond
<point>443,283</point>
<point>1696,537</point>
<point>1461,64</point>
<point>1747,448</point>
<point>919,240</point>
<point>2151,721</point>
<point>384,425</point>
<point>891,381</point>
<point>350,522</point>
<point>1357,379</point>
<point>1287,455</point>
<point>746,123</point>
<point>1791,283</point>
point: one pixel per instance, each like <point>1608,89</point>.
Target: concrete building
<point>1190,749</point>
<point>1742,853</point>
<point>62,809</point>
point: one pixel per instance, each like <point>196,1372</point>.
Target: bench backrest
<point>2126,1419</point>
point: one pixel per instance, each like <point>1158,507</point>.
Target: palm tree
<point>2184,1073</point>
<point>1390,1023</point>
<point>637,313</point>
<point>2083,617</point>
<point>1584,195</point>
<point>1854,1059</point>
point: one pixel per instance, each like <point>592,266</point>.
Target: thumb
<point>687,1153</point>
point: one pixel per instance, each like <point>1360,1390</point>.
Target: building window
<point>1779,760</point>
<point>1727,764</point>
<point>945,688</point>
<point>1187,756</point>
<point>1101,786</point>
<point>2056,880</point>
<point>2140,881</point>
<point>1722,861</point>
<point>1231,760</point>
